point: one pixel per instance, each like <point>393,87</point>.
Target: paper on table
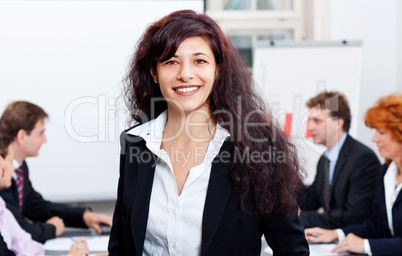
<point>315,250</point>
<point>323,249</point>
<point>95,243</point>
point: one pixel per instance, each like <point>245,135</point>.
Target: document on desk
<point>315,250</point>
<point>95,243</point>
<point>323,249</point>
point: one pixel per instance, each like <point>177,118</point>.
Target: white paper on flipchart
<point>95,243</point>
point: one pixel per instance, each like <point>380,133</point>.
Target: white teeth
<point>187,89</point>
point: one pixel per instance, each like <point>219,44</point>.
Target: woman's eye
<point>380,132</point>
<point>170,62</point>
<point>200,61</point>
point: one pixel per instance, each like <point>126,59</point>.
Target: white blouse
<point>175,221</point>
<point>391,194</point>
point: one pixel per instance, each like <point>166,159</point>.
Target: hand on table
<point>351,243</point>
<point>320,235</point>
<point>79,248</point>
<point>58,223</point>
<point>93,220</point>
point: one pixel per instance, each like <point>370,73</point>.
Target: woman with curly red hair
<point>205,171</point>
<point>381,234</point>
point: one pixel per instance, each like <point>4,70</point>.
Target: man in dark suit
<point>345,183</point>
<point>23,124</point>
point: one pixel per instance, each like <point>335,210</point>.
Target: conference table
<point>98,244</point>
<point>315,250</point>
<point>61,245</point>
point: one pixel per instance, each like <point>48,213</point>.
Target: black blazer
<point>38,210</point>
<point>376,230</point>
<point>353,189</point>
<point>226,229</point>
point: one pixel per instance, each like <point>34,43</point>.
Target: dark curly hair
<point>233,103</point>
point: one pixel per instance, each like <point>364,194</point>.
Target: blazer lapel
<point>382,205</point>
<point>219,189</point>
<point>398,199</point>
<point>343,155</point>
<point>143,186</point>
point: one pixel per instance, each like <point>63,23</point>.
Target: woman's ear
<point>217,70</point>
<point>154,74</point>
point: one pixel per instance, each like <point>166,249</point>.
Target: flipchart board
<point>289,73</point>
<point>69,57</point>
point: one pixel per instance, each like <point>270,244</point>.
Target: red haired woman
<point>381,234</point>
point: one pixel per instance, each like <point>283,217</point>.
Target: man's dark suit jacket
<point>38,210</point>
<point>4,251</point>
<point>226,229</point>
<point>353,189</point>
<point>376,230</point>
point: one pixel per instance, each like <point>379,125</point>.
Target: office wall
<point>399,45</point>
<point>289,74</point>
<point>376,23</point>
<point>70,57</point>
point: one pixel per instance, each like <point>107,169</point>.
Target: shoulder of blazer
<point>352,146</point>
<point>129,139</point>
<point>347,146</point>
<point>383,171</point>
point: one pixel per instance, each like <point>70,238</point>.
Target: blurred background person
<point>345,183</point>
<point>22,125</point>
<point>381,234</point>
<point>13,239</point>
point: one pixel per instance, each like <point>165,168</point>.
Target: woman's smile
<point>187,78</point>
<point>186,90</point>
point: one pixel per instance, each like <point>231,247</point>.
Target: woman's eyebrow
<point>194,54</point>
<point>201,53</point>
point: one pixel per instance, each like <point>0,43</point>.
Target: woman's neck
<point>196,126</point>
<point>398,163</point>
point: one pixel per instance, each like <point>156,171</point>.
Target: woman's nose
<point>375,137</point>
<point>185,73</point>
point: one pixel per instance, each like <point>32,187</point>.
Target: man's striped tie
<point>20,185</point>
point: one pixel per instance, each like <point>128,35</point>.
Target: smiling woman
<point>2,168</point>
<point>186,79</point>
<point>13,239</point>
<point>9,168</point>
<point>386,118</point>
<point>6,166</point>
<point>195,178</point>
<point>3,246</point>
